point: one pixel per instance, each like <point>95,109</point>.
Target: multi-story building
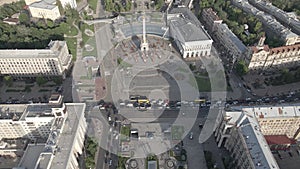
<point>44,9</point>
<point>277,120</point>
<point>261,57</point>
<point>28,121</point>
<point>230,41</point>
<point>54,61</point>
<point>269,22</point>
<point>48,9</point>
<point>210,19</point>
<point>289,19</point>
<point>240,134</point>
<point>223,34</point>
<point>64,3</point>
<point>188,33</point>
<point>64,144</point>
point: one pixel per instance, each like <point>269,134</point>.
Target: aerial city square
<point>149,84</point>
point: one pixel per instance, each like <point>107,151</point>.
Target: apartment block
<point>29,120</point>
<point>210,19</point>
<point>241,135</point>
<point>261,57</point>
<point>54,61</point>
<point>223,34</point>
<point>287,18</point>
<point>64,144</point>
<point>269,22</point>
<point>277,120</point>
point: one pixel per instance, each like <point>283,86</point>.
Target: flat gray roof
<point>55,49</point>
<point>66,139</point>
<point>45,4</point>
<point>240,45</point>
<point>31,155</point>
<point>188,30</point>
<point>152,165</point>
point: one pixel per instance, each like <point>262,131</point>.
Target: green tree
<point>258,26</point>
<point>8,80</point>
<point>40,80</point>
<point>241,68</point>
<point>128,6</point>
<point>57,80</point>
<point>24,18</point>
<point>60,7</point>
<point>159,4</point>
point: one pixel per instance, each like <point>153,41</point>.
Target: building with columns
<point>54,61</point>
<point>188,34</point>
<point>240,134</point>
<point>48,9</point>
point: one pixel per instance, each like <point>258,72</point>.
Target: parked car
<point>191,135</point>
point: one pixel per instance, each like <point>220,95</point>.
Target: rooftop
<point>58,142</point>
<point>212,13</point>
<point>279,140</point>
<point>66,139</point>
<point>11,111</point>
<point>273,111</point>
<point>188,17</point>
<point>229,34</point>
<point>31,155</point>
<point>39,110</point>
<point>55,47</point>
<point>44,4</point>
<point>152,164</point>
<point>254,141</point>
<point>188,30</point>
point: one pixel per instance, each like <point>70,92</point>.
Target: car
<point>110,162</point>
<point>200,125</point>
<point>191,135</point>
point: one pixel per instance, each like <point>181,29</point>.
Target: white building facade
<point>33,62</point>
<point>189,35</point>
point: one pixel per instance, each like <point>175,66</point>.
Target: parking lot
<point>22,92</point>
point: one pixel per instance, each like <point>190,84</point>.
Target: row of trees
<point>286,76</point>
<point>112,5</point>
<point>29,34</point>
<point>236,20</point>
<point>91,149</point>
<point>287,5</point>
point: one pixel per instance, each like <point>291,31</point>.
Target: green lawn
<point>72,45</point>
<point>203,83</point>
<point>177,132</point>
<point>85,37</point>
<point>93,4</point>
<point>91,42</point>
<point>125,133</point>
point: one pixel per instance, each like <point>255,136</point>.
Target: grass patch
<point>202,83</point>
<point>72,45</point>
<point>83,26</point>
<point>72,31</point>
<point>177,132</point>
<point>125,133</point>
<point>89,73</point>
<point>91,42</point>
<point>123,64</point>
<point>93,4</point>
